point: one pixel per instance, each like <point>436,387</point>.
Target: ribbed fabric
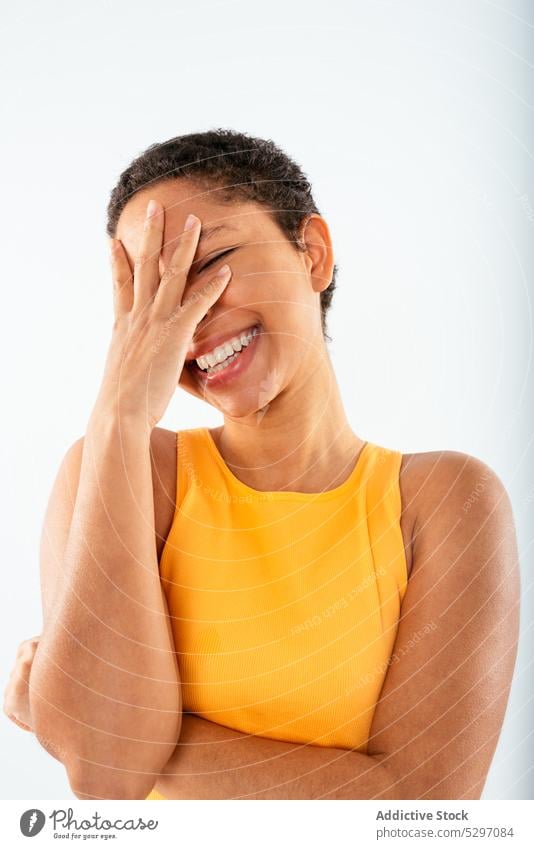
<point>284,605</point>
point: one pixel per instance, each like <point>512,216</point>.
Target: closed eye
<point>214,259</point>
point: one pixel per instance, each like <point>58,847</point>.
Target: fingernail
<point>223,271</point>
<point>151,209</point>
<point>190,222</point>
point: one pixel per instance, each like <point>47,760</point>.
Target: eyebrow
<point>207,233</point>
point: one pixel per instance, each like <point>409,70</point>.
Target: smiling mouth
<point>233,364</point>
<point>220,357</point>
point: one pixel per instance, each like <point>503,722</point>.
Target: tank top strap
<point>384,509</point>
<point>190,459</point>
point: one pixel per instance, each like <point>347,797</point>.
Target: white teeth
<point>230,348</point>
<point>220,354</point>
<point>222,366</point>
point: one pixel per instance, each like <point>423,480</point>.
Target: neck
<point>301,441</point>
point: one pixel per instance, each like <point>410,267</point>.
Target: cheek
<point>266,292</point>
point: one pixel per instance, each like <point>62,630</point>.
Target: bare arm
<point>105,694</point>
<point>442,704</point>
<point>53,544</point>
<point>104,688</point>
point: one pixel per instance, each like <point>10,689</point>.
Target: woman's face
<point>273,288</point>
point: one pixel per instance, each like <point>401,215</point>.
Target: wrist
<point>110,418</point>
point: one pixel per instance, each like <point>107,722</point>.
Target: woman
<point>275,608</point>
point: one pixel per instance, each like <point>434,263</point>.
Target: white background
<point>413,121</point>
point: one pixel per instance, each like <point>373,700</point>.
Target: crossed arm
<point>440,712</point>
<point>215,762</point>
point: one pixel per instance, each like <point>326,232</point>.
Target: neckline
<point>288,495</point>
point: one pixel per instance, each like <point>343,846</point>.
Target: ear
<point>319,256</point>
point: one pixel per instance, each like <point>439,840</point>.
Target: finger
<point>188,315</point>
<point>146,265</point>
<point>122,278</point>
<point>20,724</point>
<point>21,677</point>
<point>173,280</point>
<point>202,296</point>
<point>25,651</point>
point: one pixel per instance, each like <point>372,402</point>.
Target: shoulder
<point>446,489</point>
<point>450,480</point>
<point>163,446</point>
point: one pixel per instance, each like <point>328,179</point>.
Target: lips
<point>213,341</point>
<point>221,378</point>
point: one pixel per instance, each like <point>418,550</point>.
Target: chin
<point>242,405</point>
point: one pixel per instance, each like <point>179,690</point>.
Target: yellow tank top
<point>284,605</point>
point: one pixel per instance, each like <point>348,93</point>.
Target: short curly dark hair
<point>240,166</point>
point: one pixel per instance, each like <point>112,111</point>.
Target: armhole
<point>403,585</point>
<point>384,511</point>
<point>178,495</point>
<point>180,489</point>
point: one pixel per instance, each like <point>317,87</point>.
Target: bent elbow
<point>86,782</point>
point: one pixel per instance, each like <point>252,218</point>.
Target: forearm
<point>104,683</point>
<point>215,762</point>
